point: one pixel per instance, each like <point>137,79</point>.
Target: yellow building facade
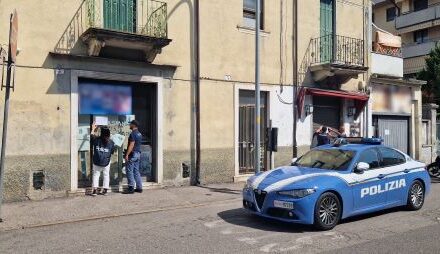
<point>150,49</point>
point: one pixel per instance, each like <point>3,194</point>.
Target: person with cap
<point>103,148</point>
<point>132,159</point>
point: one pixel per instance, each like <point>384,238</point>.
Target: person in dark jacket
<point>322,136</point>
<point>103,148</point>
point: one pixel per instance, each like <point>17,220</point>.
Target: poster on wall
<point>102,99</point>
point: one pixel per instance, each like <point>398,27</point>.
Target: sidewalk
<point>81,208</point>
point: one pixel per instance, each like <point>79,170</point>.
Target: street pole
<point>257,88</point>
<point>12,52</point>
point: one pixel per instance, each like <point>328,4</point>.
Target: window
<point>370,157</point>
<point>420,5</point>
<point>250,13</point>
<point>421,36</point>
<point>391,157</point>
<point>391,13</point>
<point>332,159</point>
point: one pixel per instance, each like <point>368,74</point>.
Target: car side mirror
<point>294,160</point>
<point>361,167</point>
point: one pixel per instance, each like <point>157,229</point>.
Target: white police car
<point>333,182</point>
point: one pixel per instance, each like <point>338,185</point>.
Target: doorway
<point>246,131</point>
<point>140,103</point>
<point>120,15</point>
<point>326,28</point>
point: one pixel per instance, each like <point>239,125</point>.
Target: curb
<point>117,215</point>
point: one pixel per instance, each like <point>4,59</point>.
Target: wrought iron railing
<point>337,50</point>
<point>143,17</point>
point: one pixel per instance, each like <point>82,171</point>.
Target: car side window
<point>390,157</point>
<point>371,157</point>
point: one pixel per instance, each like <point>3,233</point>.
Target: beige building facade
<point>150,49</point>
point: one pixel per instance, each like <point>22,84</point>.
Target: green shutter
<point>326,29</point>
<point>120,15</point>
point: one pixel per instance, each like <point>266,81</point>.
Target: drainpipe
<point>197,84</point>
<point>295,77</point>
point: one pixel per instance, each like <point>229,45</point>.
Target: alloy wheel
<point>328,211</point>
<point>416,195</point>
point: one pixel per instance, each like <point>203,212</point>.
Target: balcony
<point>386,58</point>
<point>416,20</point>
<point>418,49</point>
<point>338,56</point>
<point>117,29</point>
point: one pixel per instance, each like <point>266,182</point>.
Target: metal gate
<point>246,135</point>
<point>326,112</point>
<point>394,131</point>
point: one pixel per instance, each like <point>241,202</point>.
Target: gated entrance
<point>246,134</point>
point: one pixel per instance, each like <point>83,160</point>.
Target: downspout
<point>197,87</point>
<point>295,76</point>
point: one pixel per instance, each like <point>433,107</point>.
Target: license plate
<point>283,204</point>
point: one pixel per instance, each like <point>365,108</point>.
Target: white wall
<point>304,126</point>
<point>386,65</point>
<point>281,113</point>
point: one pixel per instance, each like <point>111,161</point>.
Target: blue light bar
<point>372,141</point>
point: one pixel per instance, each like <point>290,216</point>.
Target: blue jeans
<point>132,170</point>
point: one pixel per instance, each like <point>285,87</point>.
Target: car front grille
<point>260,196</point>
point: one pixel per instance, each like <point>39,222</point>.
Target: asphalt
<point>221,226</point>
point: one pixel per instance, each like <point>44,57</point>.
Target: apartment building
<point>144,55</point>
<point>417,22</point>
<point>400,34</point>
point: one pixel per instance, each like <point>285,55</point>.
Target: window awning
<point>360,99</point>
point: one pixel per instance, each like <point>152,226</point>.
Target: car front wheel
<point>327,211</point>
<point>416,196</point>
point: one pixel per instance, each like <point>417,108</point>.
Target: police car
<point>333,182</point>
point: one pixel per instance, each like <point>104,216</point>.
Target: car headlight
<point>300,193</point>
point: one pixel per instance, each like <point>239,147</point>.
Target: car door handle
<point>406,171</point>
<point>381,176</point>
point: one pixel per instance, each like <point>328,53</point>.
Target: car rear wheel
<point>416,196</point>
<point>327,211</point>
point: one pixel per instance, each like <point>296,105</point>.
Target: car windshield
<point>332,159</point>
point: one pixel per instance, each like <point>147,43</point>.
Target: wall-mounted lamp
<point>309,109</point>
<point>351,111</point>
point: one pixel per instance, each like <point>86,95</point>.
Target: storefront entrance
<point>327,112</point>
<point>114,104</point>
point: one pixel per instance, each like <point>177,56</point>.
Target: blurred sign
<point>102,99</point>
<point>13,36</point>
<point>101,120</point>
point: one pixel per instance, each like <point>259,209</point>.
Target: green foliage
<point>431,74</point>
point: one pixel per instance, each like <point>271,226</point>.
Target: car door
<point>366,187</point>
<point>393,164</point>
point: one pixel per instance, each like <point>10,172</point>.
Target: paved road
<point>226,228</point>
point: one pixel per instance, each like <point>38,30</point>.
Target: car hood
<point>279,178</point>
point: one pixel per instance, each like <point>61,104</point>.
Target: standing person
<point>132,159</point>
<point>103,148</point>
<point>322,136</point>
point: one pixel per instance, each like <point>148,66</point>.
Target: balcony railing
<point>411,18</point>
<point>141,17</point>
<point>419,49</point>
<point>337,49</point>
